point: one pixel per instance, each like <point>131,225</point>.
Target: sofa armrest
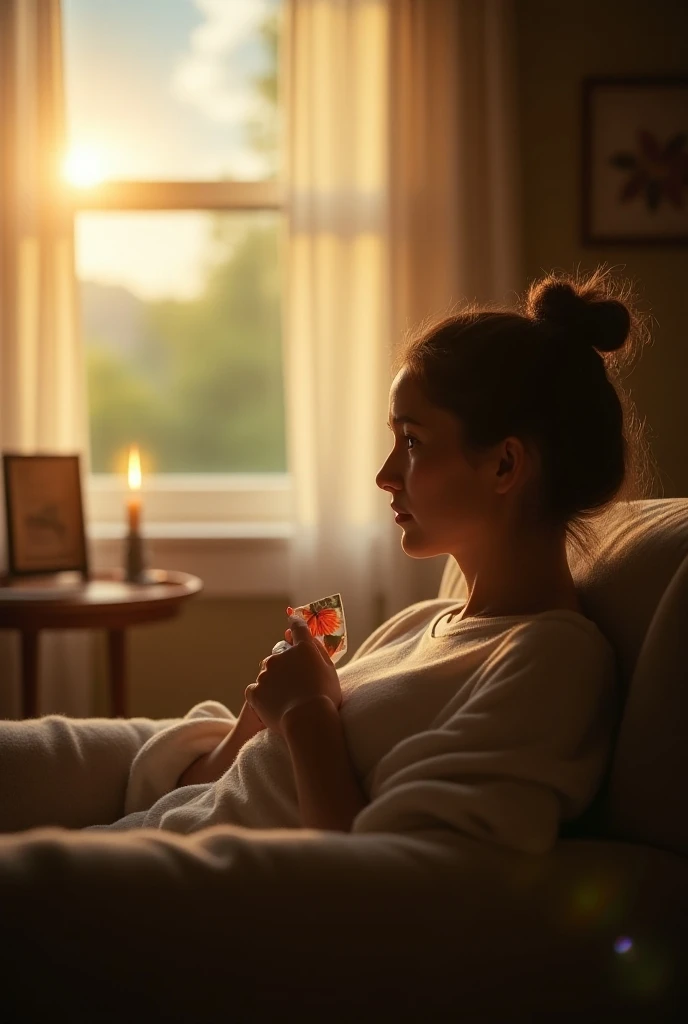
<point>240,925</point>
<point>64,771</point>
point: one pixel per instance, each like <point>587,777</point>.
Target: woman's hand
<point>293,677</point>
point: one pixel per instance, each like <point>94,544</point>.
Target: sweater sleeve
<point>527,748</point>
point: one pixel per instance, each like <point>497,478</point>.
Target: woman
<point>495,717</point>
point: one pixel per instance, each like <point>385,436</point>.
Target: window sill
<point>194,531</point>
<point>239,559</point>
<point>212,500</point>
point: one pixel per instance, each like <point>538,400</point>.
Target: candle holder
<point>135,566</point>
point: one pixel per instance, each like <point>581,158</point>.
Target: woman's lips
<point>401,517</point>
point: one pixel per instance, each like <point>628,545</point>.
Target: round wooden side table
<point>104,601</point>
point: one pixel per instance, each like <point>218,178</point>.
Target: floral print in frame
<point>635,160</point>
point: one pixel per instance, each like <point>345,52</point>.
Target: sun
<point>83,167</point>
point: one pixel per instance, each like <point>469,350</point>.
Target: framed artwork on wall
<point>635,160</point>
<point>44,514</point>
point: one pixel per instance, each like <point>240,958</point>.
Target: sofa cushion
<point>622,578</point>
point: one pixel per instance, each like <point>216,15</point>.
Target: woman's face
<point>448,498</point>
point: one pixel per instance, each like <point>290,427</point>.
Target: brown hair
<point>550,373</point>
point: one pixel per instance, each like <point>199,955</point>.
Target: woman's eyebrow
<point>396,420</point>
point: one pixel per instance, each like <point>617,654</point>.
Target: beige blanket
<point>64,771</point>
<point>164,756</point>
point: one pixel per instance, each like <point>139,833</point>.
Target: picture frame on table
<point>635,160</point>
<point>44,515</point>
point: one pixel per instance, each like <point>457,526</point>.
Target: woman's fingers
<point>302,634</point>
<point>299,630</point>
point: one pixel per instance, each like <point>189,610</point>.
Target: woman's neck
<point>521,574</point>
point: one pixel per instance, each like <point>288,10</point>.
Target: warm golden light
<point>83,167</point>
<point>134,468</point>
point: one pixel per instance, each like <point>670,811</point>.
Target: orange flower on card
<point>323,622</point>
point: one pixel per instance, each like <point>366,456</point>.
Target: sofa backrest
<point>633,582</point>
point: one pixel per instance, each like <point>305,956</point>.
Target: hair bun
<point>602,323</point>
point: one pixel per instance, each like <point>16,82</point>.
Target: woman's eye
<point>411,441</point>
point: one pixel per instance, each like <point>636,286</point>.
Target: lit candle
<point>134,500</point>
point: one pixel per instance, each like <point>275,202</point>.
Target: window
<point>173,159</point>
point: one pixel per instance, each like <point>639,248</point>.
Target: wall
<point>559,44</point>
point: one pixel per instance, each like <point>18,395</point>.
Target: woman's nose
<point>387,479</point>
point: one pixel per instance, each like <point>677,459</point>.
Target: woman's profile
<point>492,717</point>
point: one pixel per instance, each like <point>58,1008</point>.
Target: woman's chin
<point>412,544</point>
<point>415,545</point>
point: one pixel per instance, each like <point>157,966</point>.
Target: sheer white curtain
<point>402,202</point>
<point>42,374</point>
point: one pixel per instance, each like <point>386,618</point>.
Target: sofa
<point>237,925</point>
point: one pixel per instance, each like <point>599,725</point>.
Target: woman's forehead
<point>406,397</point>
<point>409,403</point>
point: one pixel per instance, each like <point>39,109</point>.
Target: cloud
<point>224,53</point>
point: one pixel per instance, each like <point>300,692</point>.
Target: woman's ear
<point>512,464</point>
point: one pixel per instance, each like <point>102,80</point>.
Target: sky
<point>159,89</point>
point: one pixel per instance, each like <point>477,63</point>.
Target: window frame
<point>189,508</point>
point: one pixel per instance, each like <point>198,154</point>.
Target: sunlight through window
<point>174,109</point>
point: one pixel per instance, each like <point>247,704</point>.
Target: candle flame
<point>134,468</point>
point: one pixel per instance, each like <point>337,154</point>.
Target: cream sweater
<point>498,728</point>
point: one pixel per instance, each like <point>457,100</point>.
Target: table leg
<point>29,673</point>
<point>118,684</point>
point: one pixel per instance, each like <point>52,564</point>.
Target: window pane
<point>181,323</point>
<point>172,89</point>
